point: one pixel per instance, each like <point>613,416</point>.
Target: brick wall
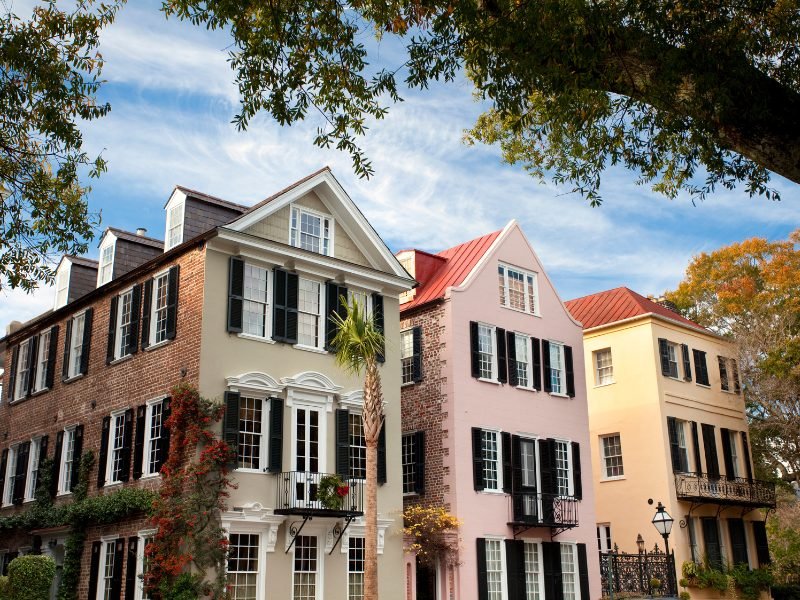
<point>424,405</point>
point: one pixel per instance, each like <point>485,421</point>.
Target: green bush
<point>751,583</point>
<point>4,588</point>
<point>684,595</point>
<point>711,578</point>
<point>30,577</point>
<point>184,587</point>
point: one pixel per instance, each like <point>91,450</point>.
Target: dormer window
<point>310,230</point>
<point>106,269</point>
<point>62,285</point>
<point>174,225</point>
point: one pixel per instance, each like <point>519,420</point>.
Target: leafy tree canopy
<point>49,69</point>
<point>671,89</point>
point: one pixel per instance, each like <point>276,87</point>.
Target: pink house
<point>495,424</point>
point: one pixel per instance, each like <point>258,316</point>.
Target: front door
<point>307,464</point>
<point>426,581</point>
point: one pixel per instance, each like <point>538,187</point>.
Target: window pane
<point>124,323</point>
<point>521,344</point>
<point>494,569</point>
<point>532,588</point>
<point>308,333</point>
<point>243,566</point>
<point>485,351</point>
<point>568,571</point>
<point>355,569</point>
<point>305,568</point>
<point>358,447</point>
<point>604,371</point>
<point>612,456</point>
<point>160,305</point>
<point>255,300</point>
<point>408,463</point>
<point>490,459</point>
<point>406,355</point>
<point>562,468</point>
<point>156,418</point>
<point>556,368</point>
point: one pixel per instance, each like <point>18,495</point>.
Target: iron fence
<point>544,509</point>
<point>725,490</point>
<point>298,494</point>
<point>647,573</point>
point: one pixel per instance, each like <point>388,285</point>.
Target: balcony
<point>543,510</point>
<point>297,494</point>
<point>718,489</point>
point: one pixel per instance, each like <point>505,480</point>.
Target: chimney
<point>661,300</point>
<point>13,326</point>
<point>141,231</point>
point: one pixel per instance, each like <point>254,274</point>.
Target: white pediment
<point>254,382</point>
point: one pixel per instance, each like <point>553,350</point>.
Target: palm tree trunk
<point>373,420</point>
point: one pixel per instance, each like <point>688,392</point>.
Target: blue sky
<point>173,99</point>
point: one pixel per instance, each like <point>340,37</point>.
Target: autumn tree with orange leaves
<point>750,291</point>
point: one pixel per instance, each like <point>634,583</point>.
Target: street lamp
<point>663,524</point>
<point>640,543</point>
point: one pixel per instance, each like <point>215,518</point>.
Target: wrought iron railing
<point>645,573</point>
<point>298,494</point>
<point>547,510</point>
<point>725,490</point>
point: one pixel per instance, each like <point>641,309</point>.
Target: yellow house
<point>667,423</point>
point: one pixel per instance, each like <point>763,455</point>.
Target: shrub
<point>4,588</point>
<point>684,595</point>
<point>30,577</point>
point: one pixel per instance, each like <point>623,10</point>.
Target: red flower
<point>343,490</point>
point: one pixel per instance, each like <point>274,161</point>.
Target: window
<point>677,438</point>
<point>486,364</point>
<point>355,569</point>
<point>533,572</point>
<point>612,456</point>
<point>363,298</point>
<point>305,568</point>
<point>160,308</point>
<point>311,231</point>
<point>732,435</point>
<point>728,374</point>
<point>23,370</point>
<point>518,289</point>
<point>255,312</point>
<point>116,451</point>
<point>62,286</point>
<point>145,537</point>
<point>562,471</point>
<point>42,358</point>
<point>106,585</point>
<point>33,469</point>
<point>251,428</point>
<point>557,372</point>
<point>604,537</point>
<point>243,566</point>
<point>309,332</point>
<point>75,350</point>
<point>407,356</point>
<point>106,264</point>
<point>67,458</point>
<point>494,569</point>
<point>413,462</point>
<point>358,447</point>
<point>700,367</point>
<point>490,448</point>
<point>10,475</point>
<point>672,350</point>
<point>604,371</point>
<point>154,432</point>
<point>522,344</point>
<point>569,572</point>
<point>174,226</point>
<point>124,328</point>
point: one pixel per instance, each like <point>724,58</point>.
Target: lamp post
<point>640,543</point>
<point>663,524</point>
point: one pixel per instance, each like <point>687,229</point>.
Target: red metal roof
<point>456,265</point>
<point>617,305</point>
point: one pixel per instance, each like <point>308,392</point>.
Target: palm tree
<point>358,344</point>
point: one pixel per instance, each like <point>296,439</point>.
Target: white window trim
<point>499,441</point>
<point>403,436</point>
<point>493,340</point>
<point>11,467</point>
<point>154,308</point>
<point>410,332</point>
<point>142,535</point>
<point>540,564</point>
<point>503,563</point>
<point>301,401</point>
<point>118,350</point>
<point>19,380</point>
<point>570,474</point>
<point>320,347</point>
<point>681,432</point>
<point>148,416</point>
<point>68,431</point>
<point>360,412</point>
<point>73,371</point>
<point>267,337</point>
<point>563,369</point>
<point>321,554</point>
<point>577,580</point>
<point>266,408</point>
<point>529,368</point>
<point>242,529</point>
<point>604,472</point>
<point>332,228</point>
<point>678,360</point>
<point>349,572</point>
<point>535,310</point>
<point>30,491</point>
<point>732,436</point>
<point>105,540</point>
<point>595,356</point>
<point>110,457</point>
<point>605,528</point>
<point>109,241</point>
<point>42,356</point>
<point>62,285</point>
<point>178,204</point>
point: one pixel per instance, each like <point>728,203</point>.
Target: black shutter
<point>548,382</point>
<point>127,446</point>
<point>687,364</point>
<point>547,474</point>
<point>136,305</point>
<point>56,463</point>
<point>31,364</point>
<point>284,326</point>
<point>737,386</point>
<point>377,316</point>
<point>505,438</point>
<point>131,568</point>
<point>710,448</point>
<point>112,329</point>
<point>674,446</point>
<point>335,299</point>
<point>230,424</point>
<point>477,458</point>
<point>748,465</point>
<point>116,578</point>
<point>292,299</point>
<point>502,364</point>
<point>419,462</point>
<point>483,583</point>
<point>416,359</point>
<point>67,343</point>
<point>94,570</point>
<point>138,444</point>
<point>577,483</point>
<point>511,352</point>
<point>172,302</point>
<point>515,569</point>
<point>21,474</point>
<point>343,443</point>
<point>42,455</point>
<point>723,373</point>
<point>536,364</point>
<point>162,452</point>
<point>473,344</point>
<point>570,371</point>
<point>103,456</point>
<point>583,571</point>
<point>700,367</point>
<point>87,340</point>
<point>698,467</point>
<point>663,352</point>
<point>235,294</point>
<point>727,452</point>
<point>738,541</point>
<point>516,478</point>
<point>12,375</point>
<point>762,546</point>
<point>551,559</point>
<point>3,464</point>
<point>275,435</point>
<point>51,357</point>
<point>77,455</point>
<point>147,301</point>
<point>711,539</point>
<point>382,453</point>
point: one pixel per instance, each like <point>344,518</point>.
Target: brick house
<point>236,301</point>
<point>495,424</point>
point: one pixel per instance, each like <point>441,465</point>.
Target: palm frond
<point>357,340</point>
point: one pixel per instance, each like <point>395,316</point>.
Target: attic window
<point>106,264</point>
<point>174,226</point>
<point>62,286</point>
<point>311,231</point>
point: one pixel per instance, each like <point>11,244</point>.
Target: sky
<point>173,99</point>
